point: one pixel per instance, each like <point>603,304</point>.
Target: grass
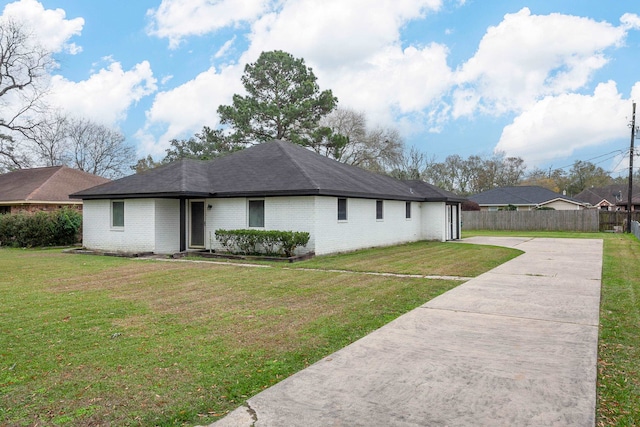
<point>421,258</point>
<point>618,387</point>
<point>88,340</point>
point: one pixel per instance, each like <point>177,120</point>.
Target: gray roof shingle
<point>526,195</point>
<point>276,168</point>
<point>47,184</point>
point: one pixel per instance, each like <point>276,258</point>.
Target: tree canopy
<point>283,101</point>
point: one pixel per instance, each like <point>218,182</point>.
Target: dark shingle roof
<point>614,194</point>
<point>276,168</point>
<point>433,193</point>
<point>527,195</point>
<point>48,184</point>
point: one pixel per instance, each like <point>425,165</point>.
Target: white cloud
<point>394,82</point>
<point>186,108</point>
<point>107,95</point>
<point>355,50</point>
<point>50,27</point>
<point>630,21</point>
<point>528,56</point>
<point>557,126</point>
<point>371,72</point>
<point>335,33</point>
<point>225,48</point>
<point>177,19</point>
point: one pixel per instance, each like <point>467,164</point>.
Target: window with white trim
<point>342,209</point>
<point>379,209</point>
<point>117,213</point>
<point>407,210</point>
<point>256,213</point>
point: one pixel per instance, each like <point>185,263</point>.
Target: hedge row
<point>269,242</point>
<point>25,230</point>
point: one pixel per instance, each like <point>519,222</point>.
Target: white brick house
<point>273,186</point>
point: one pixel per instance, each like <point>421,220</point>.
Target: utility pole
<point>630,194</point>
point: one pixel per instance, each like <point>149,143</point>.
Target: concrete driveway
<point>516,346</point>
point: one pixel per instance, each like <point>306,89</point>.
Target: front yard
<point>87,340</point>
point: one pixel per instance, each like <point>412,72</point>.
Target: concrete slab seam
<point>507,316</point>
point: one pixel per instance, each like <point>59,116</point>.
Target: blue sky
<point>551,81</point>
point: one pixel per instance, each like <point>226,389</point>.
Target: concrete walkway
<point>516,346</point>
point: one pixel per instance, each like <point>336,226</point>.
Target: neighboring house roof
<point>527,195</point>
<point>49,184</point>
<point>276,168</point>
<point>616,194</point>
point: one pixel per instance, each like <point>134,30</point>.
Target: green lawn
<point>89,340</point>
<point>618,388</point>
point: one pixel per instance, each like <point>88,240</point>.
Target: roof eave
<point>160,195</point>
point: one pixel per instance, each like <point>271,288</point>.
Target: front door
<point>453,230</point>
<point>197,223</point>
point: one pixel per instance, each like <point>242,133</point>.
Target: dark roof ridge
<point>284,146</point>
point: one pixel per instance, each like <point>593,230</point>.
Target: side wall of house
<point>167,226</point>
<point>561,205</point>
<point>362,229</point>
<point>137,235</point>
<point>434,221</point>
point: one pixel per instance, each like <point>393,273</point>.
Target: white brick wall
<point>281,213</point>
<point>153,225</point>
<point>167,226</point>
<point>137,235</point>
<point>362,229</point>
<point>434,221</point>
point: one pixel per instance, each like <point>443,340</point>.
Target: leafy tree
<point>145,164</point>
<point>207,145</point>
<point>23,68</point>
<point>554,180</point>
<point>283,102</point>
<point>586,174</point>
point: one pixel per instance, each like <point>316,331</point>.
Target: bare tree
<point>380,149</point>
<point>98,149</point>
<point>23,66</point>
<point>412,165</point>
<point>476,173</point>
<point>49,140</point>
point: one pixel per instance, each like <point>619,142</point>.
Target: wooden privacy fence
<point>542,220</point>
<point>610,220</point>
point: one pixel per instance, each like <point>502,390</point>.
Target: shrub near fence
<point>541,220</point>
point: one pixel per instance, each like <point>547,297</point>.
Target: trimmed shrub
<point>469,205</point>
<point>60,227</point>
<point>269,242</point>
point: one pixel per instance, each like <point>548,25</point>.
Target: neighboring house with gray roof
<point>611,197</point>
<point>524,198</point>
<point>43,189</point>
<point>272,186</point>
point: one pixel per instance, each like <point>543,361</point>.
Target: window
<point>342,209</point>
<point>117,213</point>
<point>5,210</point>
<point>407,210</point>
<point>379,209</point>
<point>256,213</point>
